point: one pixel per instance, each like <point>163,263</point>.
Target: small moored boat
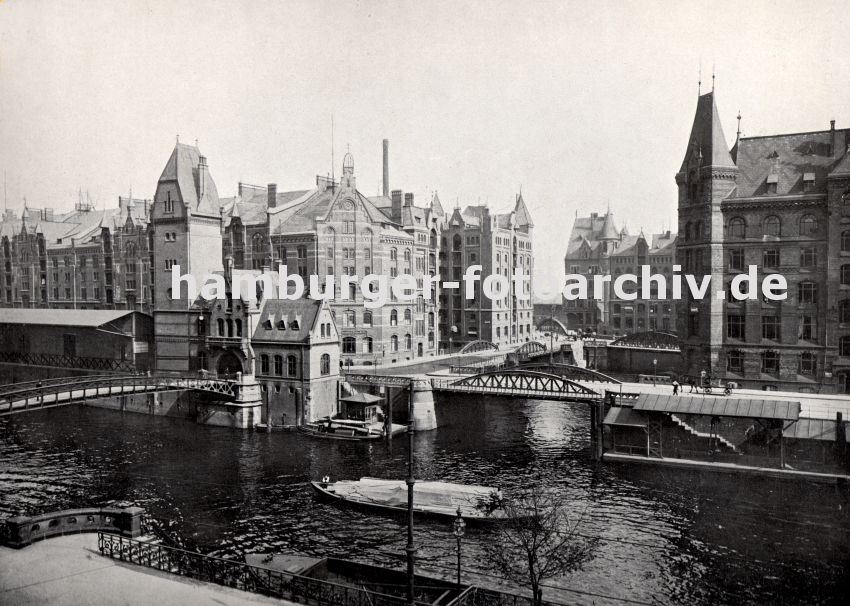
<point>360,418</point>
<point>476,503</point>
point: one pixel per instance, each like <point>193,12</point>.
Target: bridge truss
<point>520,383</point>
<point>474,346</point>
<point>571,372</point>
<point>71,390</point>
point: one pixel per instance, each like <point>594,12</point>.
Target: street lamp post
<point>411,548</point>
<point>654,370</point>
<point>459,526</point>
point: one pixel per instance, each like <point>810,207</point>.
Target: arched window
<point>698,230</point>
<point>291,366</point>
<point>772,226</point>
<point>367,318</point>
<point>394,343</point>
<point>808,225</point>
<point>687,231</point>
<point>845,274</point>
<point>130,249</point>
<point>845,241</point>
<point>433,238</point>
<point>325,365</point>
<point>408,316</point>
<point>350,318</point>
<point>220,323</point>
<point>393,254</point>
<point>408,342</point>
<point>349,345</point>
<point>258,251</point>
<point>264,364</point>
<point>737,228</point>
<point>457,242</point>
<point>229,328</point>
<point>394,318</point>
<point>844,346</point>
<point>202,360</point>
<point>431,318</point>
<point>407,256</point>
<point>278,365</point>
<point>367,345</point>
<point>431,339</point>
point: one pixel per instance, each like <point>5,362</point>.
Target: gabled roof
<point>183,167</point>
<point>303,311</point>
<point>707,141</point>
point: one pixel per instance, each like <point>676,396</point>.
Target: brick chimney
<point>395,213</point>
<point>386,167</point>
<point>272,195</point>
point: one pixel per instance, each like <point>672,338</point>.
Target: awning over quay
<point>624,416</point>
<point>719,406</point>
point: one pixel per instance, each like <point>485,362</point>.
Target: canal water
<point>666,537</point>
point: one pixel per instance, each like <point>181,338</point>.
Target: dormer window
<point>267,324</point>
<point>808,182</point>
<point>293,325</point>
<point>772,182</point>
<point>281,325</point>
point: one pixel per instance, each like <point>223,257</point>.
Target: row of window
<point>770,226</point>
<point>771,326</point>
<point>266,362</point>
<point>349,344</point>
<point>806,362</point>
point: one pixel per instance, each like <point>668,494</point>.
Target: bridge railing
<point>240,575</point>
<point>81,388</point>
<point>19,385</point>
<point>20,531</point>
<point>63,361</point>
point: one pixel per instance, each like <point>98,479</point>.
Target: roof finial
<point>178,138</point>
<point>196,142</point>
<point>712,77</point>
<point>739,126</point>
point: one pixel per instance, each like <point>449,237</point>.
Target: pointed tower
<point>706,178</point>
<point>186,223</point>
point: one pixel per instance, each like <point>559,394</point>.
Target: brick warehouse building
<point>781,202</point>
<point>596,246</point>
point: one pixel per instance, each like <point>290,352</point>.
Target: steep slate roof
<point>789,157</point>
<point>304,311</point>
<point>707,139</point>
<point>182,167</point>
<point>523,216</point>
<point>586,228</point>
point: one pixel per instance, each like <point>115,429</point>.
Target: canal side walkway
<point>70,571</point>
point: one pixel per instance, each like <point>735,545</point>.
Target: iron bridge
<point>571,372</point>
<point>35,395</point>
<point>520,383</point>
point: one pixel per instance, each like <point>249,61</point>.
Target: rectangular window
<point>735,327</point>
<point>735,361</point>
<point>770,258</point>
<point>808,257</point>
<point>808,328</point>
<point>770,328</point>
<point>736,259</point>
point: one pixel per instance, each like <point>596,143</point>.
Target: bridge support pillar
<point>245,412</point>
<point>422,398</point>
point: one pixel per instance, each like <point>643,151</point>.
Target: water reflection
<point>668,537</point>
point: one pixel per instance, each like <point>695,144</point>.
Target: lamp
<point>458,527</point>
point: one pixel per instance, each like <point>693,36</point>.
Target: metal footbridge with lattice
<point>51,393</point>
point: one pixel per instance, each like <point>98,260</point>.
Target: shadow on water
<point>667,536</point>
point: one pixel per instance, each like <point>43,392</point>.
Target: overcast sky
<point>582,104</point>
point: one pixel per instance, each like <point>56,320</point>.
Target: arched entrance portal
<point>228,365</point>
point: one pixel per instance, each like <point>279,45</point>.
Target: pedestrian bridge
<point>519,383</point>
<point>51,393</point>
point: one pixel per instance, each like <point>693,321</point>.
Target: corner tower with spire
<point>706,178</point>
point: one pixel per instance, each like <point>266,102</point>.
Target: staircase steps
<point>701,434</point>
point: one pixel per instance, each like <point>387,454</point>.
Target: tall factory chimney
<point>386,168</point>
